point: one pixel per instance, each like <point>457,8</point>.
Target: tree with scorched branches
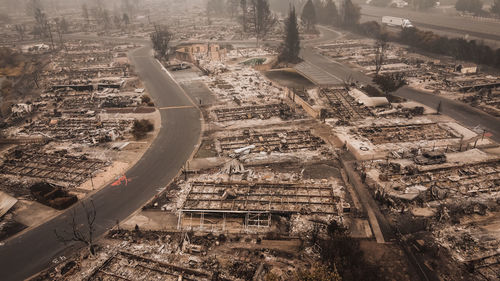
<point>81,232</point>
<point>261,20</point>
<point>160,38</point>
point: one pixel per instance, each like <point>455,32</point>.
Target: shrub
<point>141,128</point>
<point>145,99</point>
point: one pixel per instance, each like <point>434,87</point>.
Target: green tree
<point>389,83</point>
<point>290,47</point>
<point>309,16</point>
<point>141,128</point>
<point>351,14</point>
<point>472,6</point>
<point>319,8</point>
<point>331,13</point>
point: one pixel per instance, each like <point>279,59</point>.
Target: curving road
<point>34,250</point>
<point>439,22</point>
<point>461,112</point>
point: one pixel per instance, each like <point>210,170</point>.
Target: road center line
<point>176,107</point>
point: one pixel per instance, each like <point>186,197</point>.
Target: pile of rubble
<point>175,256</point>
<point>487,100</point>
<point>447,77</point>
<point>57,143</point>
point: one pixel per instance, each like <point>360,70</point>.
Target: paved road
<point>381,227</point>
<point>322,70</point>
<point>461,112</point>
<point>436,20</point>
<point>33,251</point>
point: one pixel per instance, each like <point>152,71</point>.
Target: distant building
<point>467,68</point>
<point>196,51</point>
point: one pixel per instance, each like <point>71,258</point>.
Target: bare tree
<point>128,7</point>
<point>35,74</point>
<point>49,32</point>
<point>21,30</point>
<point>36,78</point>
<point>232,7</point>
<point>106,20</point>
<point>85,14</point>
<point>126,19</point>
<point>32,6</point>
<point>117,20</point>
<point>41,22</point>
<point>42,26</point>
<point>61,28</point>
<point>101,16</point>
<point>160,38</point>
<point>208,12</point>
<point>348,82</point>
<point>261,19</point>
<point>83,233</point>
<point>380,48</point>
<point>244,14</point>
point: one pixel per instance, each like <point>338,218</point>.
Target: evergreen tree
<point>389,83</point>
<point>351,14</point>
<point>331,12</point>
<point>319,8</point>
<point>290,47</point>
<point>309,15</point>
